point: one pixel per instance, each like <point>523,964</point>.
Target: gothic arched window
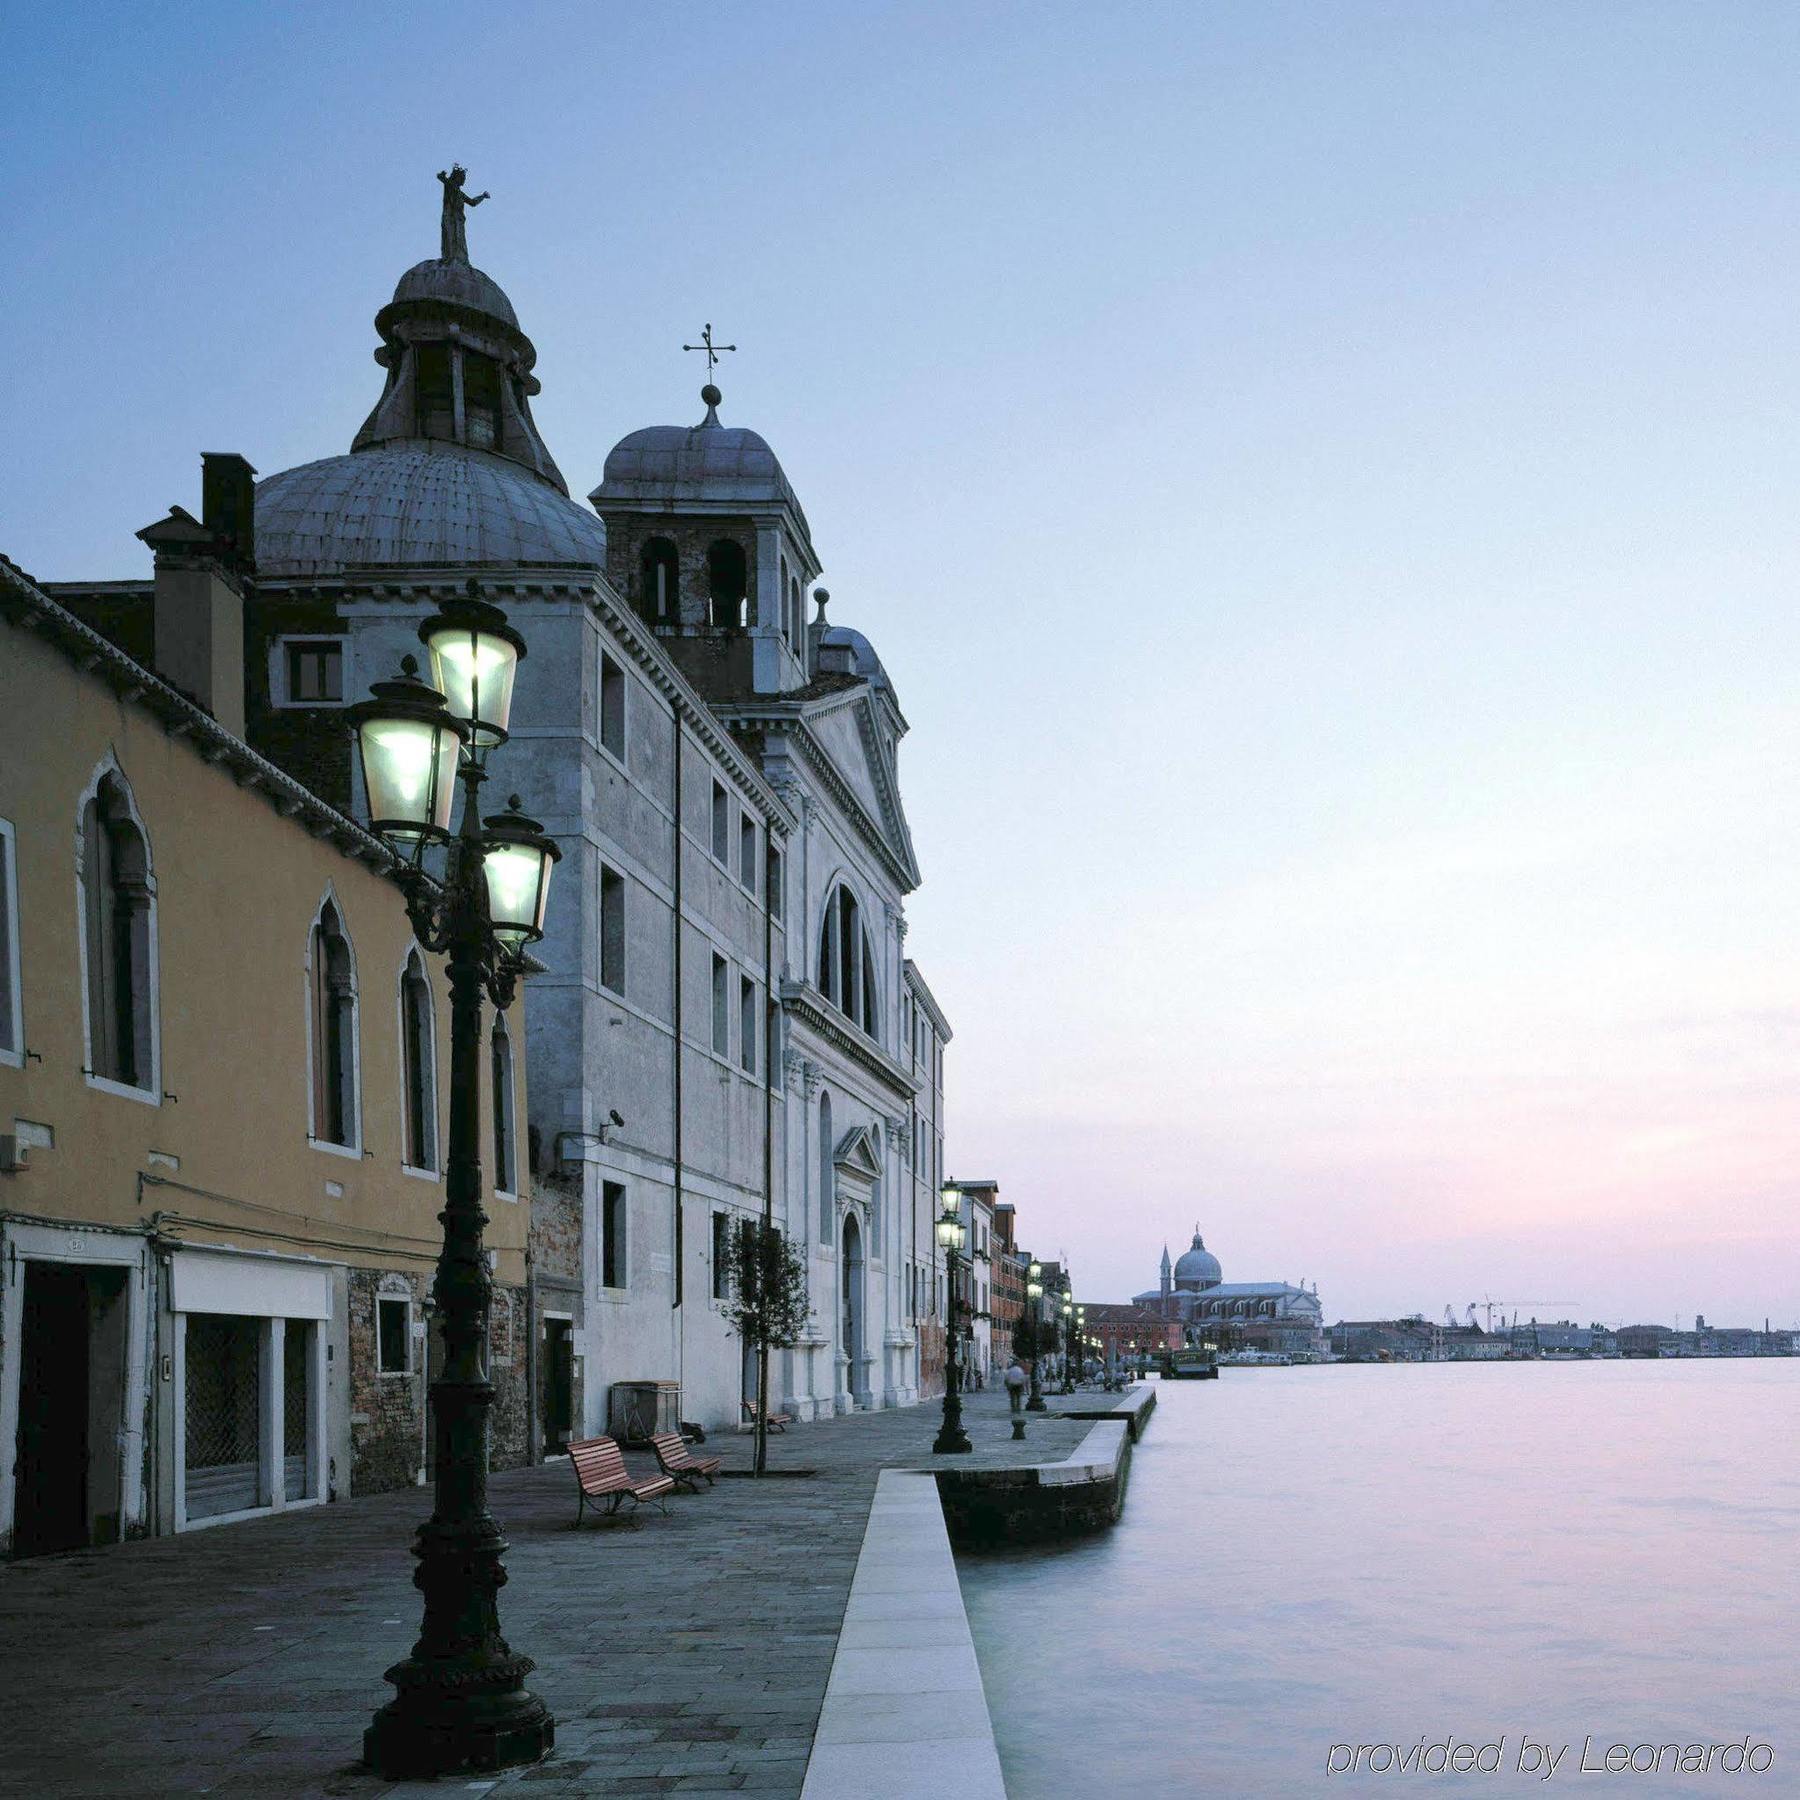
<point>847,962</point>
<point>827,1169</point>
<point>728,583</point>
<point>331,972</point>
<point>418,1065</point>
<point>119,922</point>
<point>506,1152</point>
<point>659,581</point>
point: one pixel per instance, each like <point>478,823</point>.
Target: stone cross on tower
<point>453,241</point>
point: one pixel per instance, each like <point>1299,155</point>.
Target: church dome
<point>708,462</point>
<point>454,283</point>
<point>1197,1267</point>
<point>417,501</point>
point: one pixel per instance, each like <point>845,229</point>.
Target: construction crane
<point>1488,1304</point>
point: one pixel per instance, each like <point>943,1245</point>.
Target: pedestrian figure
<point>1015,1386</point>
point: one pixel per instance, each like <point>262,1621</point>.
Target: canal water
<point>1537,1556</point>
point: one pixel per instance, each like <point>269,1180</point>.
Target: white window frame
<point>152,1094</point>
<point>278,670</point>
<point>622,1256</point>
<point>314,1051</point>
<point>406,1336</point>
<point>9,911</point>
<point>422,1171</point>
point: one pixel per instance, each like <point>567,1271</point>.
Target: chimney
<point>199,603</point>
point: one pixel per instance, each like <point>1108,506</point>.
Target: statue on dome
<point>453,241</point>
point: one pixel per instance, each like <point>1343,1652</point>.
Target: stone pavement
<point>688,1654</point>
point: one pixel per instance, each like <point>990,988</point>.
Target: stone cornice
<point>805,1003</point>
<point>927,999</point>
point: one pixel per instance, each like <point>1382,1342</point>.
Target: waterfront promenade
<point>688,1654</point>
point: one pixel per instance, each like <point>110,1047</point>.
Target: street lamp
<point>1034,1290</point>
<point>1068,1319</point>
<point>460,1698</point>
<point>951,1438</point>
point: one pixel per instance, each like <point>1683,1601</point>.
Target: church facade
<point>1238,1315</point>
<point>725,1022</point>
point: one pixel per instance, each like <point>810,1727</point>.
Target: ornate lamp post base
<point>951,1441</point>
<point>425,1733</point>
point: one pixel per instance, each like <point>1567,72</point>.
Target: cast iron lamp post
<point>1068,1344</point>
<point>951,1438</point>
<point>460,1698</point>
<point>1034,1290</point>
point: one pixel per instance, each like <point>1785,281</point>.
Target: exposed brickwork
<point>387,1419</point>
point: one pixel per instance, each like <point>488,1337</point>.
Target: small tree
<point>767,1304</point>
<point>1024,1339</point>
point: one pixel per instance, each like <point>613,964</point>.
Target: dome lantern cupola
<point>458,366</point>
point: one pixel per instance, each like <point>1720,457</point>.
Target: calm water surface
<point>1361,1555</point>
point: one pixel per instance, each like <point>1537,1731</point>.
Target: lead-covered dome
<point>1197,1267</point>
<point>718,465</point>
<point>418,501</point>
<point>453,283</point>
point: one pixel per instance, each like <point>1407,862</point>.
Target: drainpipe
<point>675,1303</point>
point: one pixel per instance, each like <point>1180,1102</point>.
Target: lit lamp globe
<point>1034,1290</point>
<point>516,858</point>
<point>474,659</point>
<point>1035,1271</point>
<point>408,745</point>
<point>950,1231</point>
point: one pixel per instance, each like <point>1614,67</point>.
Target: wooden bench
<point>600,1474</point>
<point>774,1421</point>
<point>679,1464</point>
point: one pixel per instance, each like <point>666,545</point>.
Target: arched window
<point>827,1169</point>
<point>728,584</point>
<point>847,962</point>
<point>331,991</point>
<point>506,1153</point>
<point>796,615</point>
<point>782,596</point>
<point>118,897</point>
<point>418,1066</point>
<point>659,581</point>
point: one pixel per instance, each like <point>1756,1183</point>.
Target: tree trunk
<point>762,1404</point>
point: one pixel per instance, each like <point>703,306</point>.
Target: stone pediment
<point>856,1156</point>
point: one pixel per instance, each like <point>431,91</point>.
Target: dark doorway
<point>71,1396</point>
<point>559,1385</point>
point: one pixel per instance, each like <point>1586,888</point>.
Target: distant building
<point>1129,1331</point>
<point>1249,1315</point>
<point>1563,1338</point>
<point>1643,1340</point>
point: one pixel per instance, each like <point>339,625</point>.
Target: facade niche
<point>333,998</point>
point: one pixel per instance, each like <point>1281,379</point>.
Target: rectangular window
<point>772,879</point>
<point>721,1245</point>
<point>747,851</point>
<point>393,1336</point>
<point>612,929</point>
<point>721,825</point>
<point>612,706</point>
<point>747,1024</point>
<point>12,1036</point>
<point>612,1234</point>
<point>315,672</point>
<point>721,1007</point>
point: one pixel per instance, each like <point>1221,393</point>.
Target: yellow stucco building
<point>223,1072</point>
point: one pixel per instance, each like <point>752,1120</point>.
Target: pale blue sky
<point>1321,477</point>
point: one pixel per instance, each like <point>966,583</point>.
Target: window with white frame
<point>505,1108</point>
<point>418,1065</point>
<point>312,672</point>
<point>119,924</point>
<point>12,1028</point>
<point>331,973</point>
<point>614,1271</point>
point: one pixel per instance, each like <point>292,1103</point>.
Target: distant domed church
<point>1244,1315</point>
